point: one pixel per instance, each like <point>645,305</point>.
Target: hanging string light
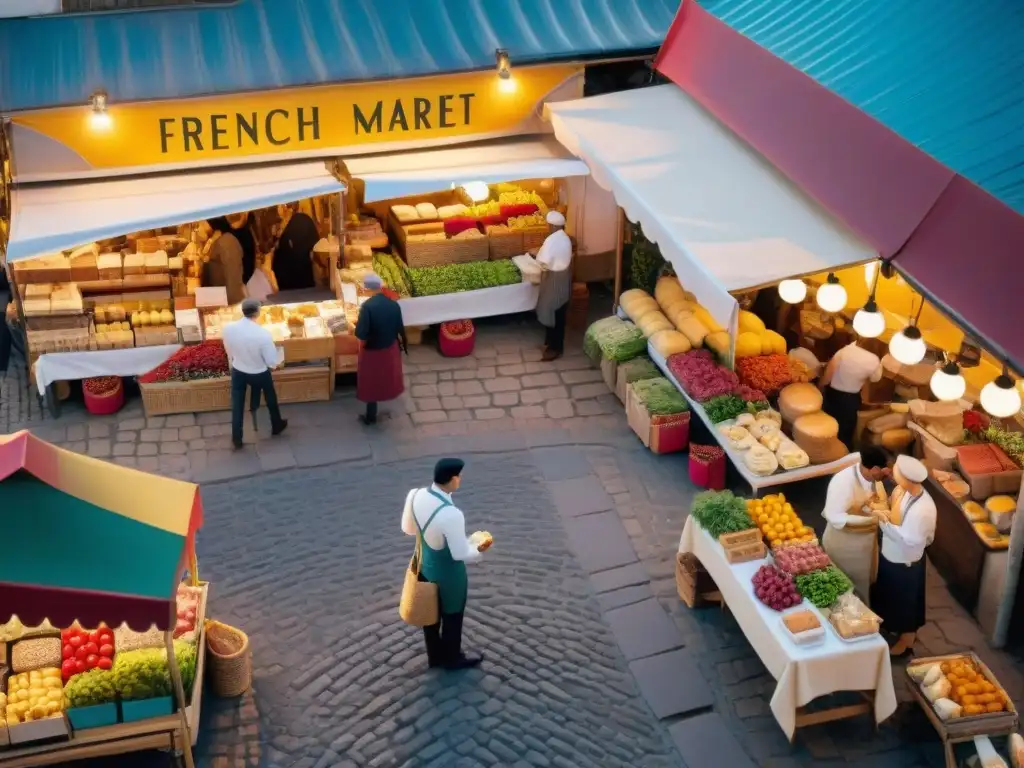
<point>1000,397</point>
<point>831,297</point>
<point>793,291</point>
<point>947,383</point>
<point>908,345</point>
<point>868,321</point>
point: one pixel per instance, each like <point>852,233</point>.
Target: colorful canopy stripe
<point>90,541</point>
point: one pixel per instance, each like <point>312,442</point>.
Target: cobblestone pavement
<point>587,640</point>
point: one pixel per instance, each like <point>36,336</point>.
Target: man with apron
<point>555,258</point>
<point>851,534</point>
<point>446,550</point>
<point>898,595</point>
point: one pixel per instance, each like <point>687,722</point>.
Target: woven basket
<point>504,245</point>
<point>231,673</point>
<point>434,253</point>
<point>534,238</point>
<point>168,397</point>
<point>456,345</point>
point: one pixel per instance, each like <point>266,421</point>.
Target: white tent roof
<point>52,217</point>
<point>400,174</point>
<point>720,213</point>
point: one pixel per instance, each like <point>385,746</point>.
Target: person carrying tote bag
<point>442,551</point>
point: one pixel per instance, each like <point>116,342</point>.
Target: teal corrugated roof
<point>264,44</point>
<point>946,75</point>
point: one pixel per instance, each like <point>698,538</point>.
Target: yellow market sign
<point>323,119</point>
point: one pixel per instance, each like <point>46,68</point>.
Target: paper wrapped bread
<point>791,455</point>
<point>405,213</point>
<point>739,438</point>
<point>760,460</point>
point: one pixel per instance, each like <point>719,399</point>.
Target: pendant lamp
<point>793,291</point>
<point>831,297</point>
<point>908,345</point>
<point>868,322</point>
<point>1000,397</point>
<point>948,383</point>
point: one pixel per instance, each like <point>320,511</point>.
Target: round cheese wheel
<point>1001,504</point>
<point>816,426</point>
<point>670,342</point>
<point>796,400</point>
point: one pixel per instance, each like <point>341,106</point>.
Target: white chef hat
<point>912,469</point>
<point>555,219</point>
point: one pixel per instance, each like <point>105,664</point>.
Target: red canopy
<point>874,181</point>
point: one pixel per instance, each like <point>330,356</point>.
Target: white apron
<point>854,548</point>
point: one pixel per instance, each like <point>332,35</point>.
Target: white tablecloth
<point>802,673</point>
<point>467,305</point>
<point>756,482</point>
<point>72,366</point>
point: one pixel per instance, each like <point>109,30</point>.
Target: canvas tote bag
<point>419,604</point>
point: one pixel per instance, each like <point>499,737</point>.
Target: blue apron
<point>439,567</point>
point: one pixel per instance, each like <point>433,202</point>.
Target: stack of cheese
<point>418,212</point>
<point>66,298</point>
<point>754,339</point>
<point>890,430</point>
<point>814,431</point>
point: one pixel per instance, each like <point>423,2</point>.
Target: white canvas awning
<point>53,217</point>
<point>401,174</point>
<point>719,212</point>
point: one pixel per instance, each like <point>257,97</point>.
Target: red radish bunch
<point>802,558</point>
<point>775,588</point>
<point>85,649</point>
<point>188,609</point>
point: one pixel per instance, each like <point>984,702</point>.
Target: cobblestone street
<point>591,659</point>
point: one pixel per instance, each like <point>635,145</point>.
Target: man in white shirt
<point>848,371</point>
<point>898,594</point>
<point>851,533</point>
<point>446,549</point>
<point>252,354</point>
<point>555,258</point>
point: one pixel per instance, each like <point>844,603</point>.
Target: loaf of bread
<point>668,290</point>
<point>405,213</point>
<point>669,342</point>
<point>801,621</point>
<point>653,322</point>
<point>694,330</point>
<point>640,307</point>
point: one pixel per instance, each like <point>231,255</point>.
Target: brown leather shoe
<point>549,355</point>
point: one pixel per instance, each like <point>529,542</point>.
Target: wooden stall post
<point>618,258</point>
<point>179,695</point>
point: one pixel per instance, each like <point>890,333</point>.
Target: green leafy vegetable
<point>454,278</point>
<point>638,369</point>
<point>622,342</point>
<point>724,407</point>
<point>823,587</point>
<point>1012,443</point>
<point>143,673</point>
<point>719,512</point>
<point>91,688</point>
<point>660,396</point>
<point>392,271</point>
<point>592,338</point>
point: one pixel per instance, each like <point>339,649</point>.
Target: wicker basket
<point>169,397</point>
<point>504,245</point>
<point>308,384</point>
<point>534,238</point>
<point>434,253</point>
<point>230,673</point>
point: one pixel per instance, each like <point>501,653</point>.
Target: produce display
<point>823,588</point>
<point>802,558</point>
<point>798,371</point>
<point>187,601</point>
<point>767,373</point>
<point>455,278</point>
<point>698,374</point>
<point>206,360</point>
<point>393,272</point>
<point>961,681</point>
<point>91,688</point>
<point>596,332</point>
<point>660,397</point>
<point>775,588</point>
<point>724,407</point>
<point>101,386</point>
<point>84,650</point>
<point>34,695</point>
<point>1012,443</point>
<point>144,674</point>
<point>719,512</point>
<point>637,369</point>
<point>35,653</point>
<point>778,522</point>
<point>753,396</point>
<point>622,342</point>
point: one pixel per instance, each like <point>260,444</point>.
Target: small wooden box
<point>738,538</point>
<point>744,553</point>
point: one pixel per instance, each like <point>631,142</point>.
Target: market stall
<point>813,638</point>
<point>104,653</point>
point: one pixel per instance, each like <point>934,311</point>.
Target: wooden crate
<point>748,536</point>
<point>202,396</point>
<point>695,586</point>
<point>744,553</point>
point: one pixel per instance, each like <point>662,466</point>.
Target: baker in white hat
<point>906,529</point>
<point>555,257</point>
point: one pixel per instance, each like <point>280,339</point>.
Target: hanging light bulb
<point>869,322</point>
<point>1000,397</point>
<point>948,383</point>
<point>477,191</point>
<point>908,346</point>
<point>99,118</point>
<point>831,297</point>
<point>793,291</point>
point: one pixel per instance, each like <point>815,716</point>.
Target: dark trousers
<point>371,413</point>
<point>554,337</point>
<point>843,407</point>
<point>444,639</point>
<point>5,332</point>
<point>260,383</point>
